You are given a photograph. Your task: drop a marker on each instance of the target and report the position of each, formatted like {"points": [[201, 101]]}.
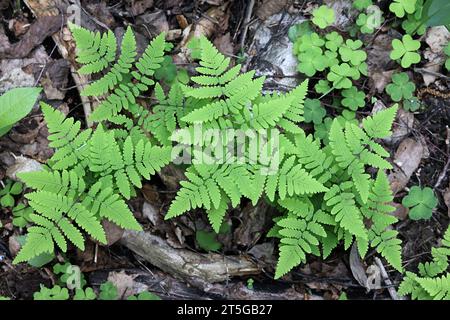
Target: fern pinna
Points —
{"points": [[433, 280]]}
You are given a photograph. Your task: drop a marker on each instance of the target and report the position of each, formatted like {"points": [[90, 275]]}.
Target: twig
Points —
{"points": [[436, 74], [447, 164], [248, 16], [387, 281]]}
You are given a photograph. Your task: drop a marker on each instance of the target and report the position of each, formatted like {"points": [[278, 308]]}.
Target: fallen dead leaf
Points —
{"points": [[407, 158], [270, 7], [113, 232]]}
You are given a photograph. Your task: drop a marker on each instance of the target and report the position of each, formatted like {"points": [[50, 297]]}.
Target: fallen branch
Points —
{"points": [[199, 270], [167, 287]]}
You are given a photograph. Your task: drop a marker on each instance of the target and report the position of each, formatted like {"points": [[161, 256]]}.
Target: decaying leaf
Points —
{"points": [[407, 158]]}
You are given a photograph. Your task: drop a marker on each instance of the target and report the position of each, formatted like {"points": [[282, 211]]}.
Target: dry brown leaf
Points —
{"points": [[270, 7], [406, 161], [113, 232]]}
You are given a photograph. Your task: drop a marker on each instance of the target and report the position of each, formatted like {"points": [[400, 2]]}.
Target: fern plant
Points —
{"points": [[93, 172], [325, 192], [432, 282]]}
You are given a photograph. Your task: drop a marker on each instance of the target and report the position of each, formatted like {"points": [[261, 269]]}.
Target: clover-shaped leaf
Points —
{"points": [[412, 104], [401, 87], [353, 99], [406, 50], [6, 194], [308, 41], [332, 57], [362, 4], [323, 17], [340, 75], [400, 7], [333, 41], [313, 111], [108, 291], [321, 129], [86, 294], [421, 203], [350, 53], [413, 25], [55, 293], [312, 61], [323, 86], [369, 22], [21, 214]]}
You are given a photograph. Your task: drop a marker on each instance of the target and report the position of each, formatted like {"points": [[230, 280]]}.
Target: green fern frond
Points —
{"points": [[70, 143]]}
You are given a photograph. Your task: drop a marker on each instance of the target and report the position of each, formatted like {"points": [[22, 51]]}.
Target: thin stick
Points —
{"points": [[387, 281], [248, 16], [447, 164]]}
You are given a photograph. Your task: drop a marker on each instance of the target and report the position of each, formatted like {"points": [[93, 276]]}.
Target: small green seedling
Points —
{"points": [[353, 98], [250, 283], [420, 202], [400, 7], [313, 111], [207, 240], [323, 17], [85, 294], [405, 50], [144, 296], [108, 291], [413, 104], [6, 194], [401, 87]]}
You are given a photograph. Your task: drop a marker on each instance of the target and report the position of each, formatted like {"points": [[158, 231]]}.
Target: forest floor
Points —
{"points": [[254, 33]]}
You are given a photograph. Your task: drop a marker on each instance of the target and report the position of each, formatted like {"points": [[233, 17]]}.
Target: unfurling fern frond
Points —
{"points": [[127, 78]]}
